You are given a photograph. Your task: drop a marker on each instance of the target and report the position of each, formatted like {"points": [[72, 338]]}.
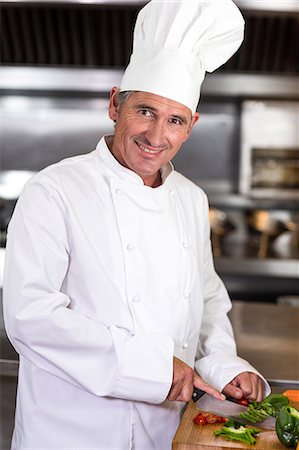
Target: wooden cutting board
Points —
{"points": [[190, 436]]}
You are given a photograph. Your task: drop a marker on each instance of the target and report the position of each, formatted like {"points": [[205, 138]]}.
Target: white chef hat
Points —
{"points": [[176, 42]]}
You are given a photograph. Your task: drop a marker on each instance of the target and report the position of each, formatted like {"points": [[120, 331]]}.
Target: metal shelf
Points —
{"points": [[95, 81], [283, 268], [241, 202]]}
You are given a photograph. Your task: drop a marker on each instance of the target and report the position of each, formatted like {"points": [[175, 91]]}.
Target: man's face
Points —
{"points": [[149, 131]]}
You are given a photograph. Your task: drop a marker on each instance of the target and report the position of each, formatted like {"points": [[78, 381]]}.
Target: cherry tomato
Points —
{"points": [[204, 418], [243, 401], [222, 419], [200, 419], [211, 418]]}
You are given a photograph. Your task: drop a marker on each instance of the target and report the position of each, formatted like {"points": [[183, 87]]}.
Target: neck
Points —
{"points": [[154, 181]]}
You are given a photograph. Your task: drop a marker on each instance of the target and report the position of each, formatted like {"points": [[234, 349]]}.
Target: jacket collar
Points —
{"points": [[123, 172]]}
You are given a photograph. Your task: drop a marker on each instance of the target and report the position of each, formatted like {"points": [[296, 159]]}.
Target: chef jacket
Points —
{"points": [[107, 279]]}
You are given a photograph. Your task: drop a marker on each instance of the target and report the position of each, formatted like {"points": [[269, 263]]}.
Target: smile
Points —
{"points": [[147, 150]]}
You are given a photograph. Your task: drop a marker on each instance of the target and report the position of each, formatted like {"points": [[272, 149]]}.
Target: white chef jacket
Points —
{"points": [[105, 280]]}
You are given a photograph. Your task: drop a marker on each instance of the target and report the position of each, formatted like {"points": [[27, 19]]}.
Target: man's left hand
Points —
{"points": [[245, 385]]}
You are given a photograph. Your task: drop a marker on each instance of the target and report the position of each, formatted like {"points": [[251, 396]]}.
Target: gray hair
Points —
{"points": [[122, 97]]}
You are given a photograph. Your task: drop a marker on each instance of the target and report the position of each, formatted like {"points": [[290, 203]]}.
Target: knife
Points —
{"points": [[228, 408]]}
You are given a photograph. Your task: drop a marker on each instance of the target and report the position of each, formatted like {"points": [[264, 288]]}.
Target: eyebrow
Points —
{"points": [[152, 108]]}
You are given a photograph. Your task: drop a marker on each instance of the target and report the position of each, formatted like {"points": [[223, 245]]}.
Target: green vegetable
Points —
{"points": [[287, 426], [270, 406], [233, 431]]}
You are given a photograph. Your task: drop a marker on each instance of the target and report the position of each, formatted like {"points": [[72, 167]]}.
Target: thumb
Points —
{"points": [[233, 391], [199, 383]]}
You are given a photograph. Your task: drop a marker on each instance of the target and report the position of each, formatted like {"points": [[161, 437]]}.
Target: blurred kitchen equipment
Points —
{"points": [[275, 168], [12, 183], [267, 227], [270, 149], [221, 226], [293, 226], [289, 300]]}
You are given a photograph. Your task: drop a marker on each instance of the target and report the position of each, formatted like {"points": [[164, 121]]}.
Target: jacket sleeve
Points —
{"points": [[43, 327], [216, 360]]}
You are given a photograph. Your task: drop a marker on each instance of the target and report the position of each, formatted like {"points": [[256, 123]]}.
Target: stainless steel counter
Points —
{"points": [[267, 335]]}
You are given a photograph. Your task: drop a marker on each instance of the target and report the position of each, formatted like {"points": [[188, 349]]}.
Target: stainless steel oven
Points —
{"points": [[270, 149], [275, 169]]}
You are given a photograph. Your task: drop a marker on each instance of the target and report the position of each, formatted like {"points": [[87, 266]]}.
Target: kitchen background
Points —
{"points": [[59, 61]]}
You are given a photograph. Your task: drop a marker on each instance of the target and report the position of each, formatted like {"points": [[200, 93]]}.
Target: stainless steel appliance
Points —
{"points": [[270, 149], [275, 168]]}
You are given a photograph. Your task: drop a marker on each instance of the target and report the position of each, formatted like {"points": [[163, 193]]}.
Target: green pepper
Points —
{"points": [[277, 401], [258, 411], [233, 431], [287, 426]]}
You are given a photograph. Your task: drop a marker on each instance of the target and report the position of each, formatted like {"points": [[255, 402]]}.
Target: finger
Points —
{"points": [[174, 392], [181, 392], [186, 393], [247, 384], [233, 391], [182, 380], [250, 385], [261, 390], [201, 384], [249, 388]]}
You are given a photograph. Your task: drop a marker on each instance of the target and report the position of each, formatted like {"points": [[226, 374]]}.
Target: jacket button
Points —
{"points": [[185, 244], [186, 295], [136, 299], [130, 247], [185, 345], [118, 191]]}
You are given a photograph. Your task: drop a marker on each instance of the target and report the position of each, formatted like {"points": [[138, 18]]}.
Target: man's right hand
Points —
{"points": [[183, 382]]}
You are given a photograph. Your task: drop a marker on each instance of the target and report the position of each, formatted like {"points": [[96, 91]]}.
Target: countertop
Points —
{"points": [[267, 336]]}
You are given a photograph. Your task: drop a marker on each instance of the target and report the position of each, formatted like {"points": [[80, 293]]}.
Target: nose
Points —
{"points": [[156, 133]]}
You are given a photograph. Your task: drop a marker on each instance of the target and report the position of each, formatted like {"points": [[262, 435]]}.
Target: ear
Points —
{"points": [[194, 119], [113, 114]]}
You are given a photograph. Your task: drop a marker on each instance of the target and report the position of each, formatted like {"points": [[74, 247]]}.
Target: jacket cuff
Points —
{"points": [[145, 367], [219, 370]]}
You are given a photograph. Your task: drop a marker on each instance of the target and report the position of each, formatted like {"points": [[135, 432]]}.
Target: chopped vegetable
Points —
{"points": [[292, 394], [235, 432], [277, 401], [243, 402], [204, 418], [270, 406], [287, 426]]}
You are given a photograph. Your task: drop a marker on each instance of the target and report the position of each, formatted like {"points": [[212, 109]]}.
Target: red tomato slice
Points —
{"points": [[200, 419], [222, 419], [204, 418], [243, 401], [211, 418]]}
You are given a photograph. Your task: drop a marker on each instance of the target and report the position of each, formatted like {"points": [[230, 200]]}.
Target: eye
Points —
{"points": [[176, 121], [146, 112]]}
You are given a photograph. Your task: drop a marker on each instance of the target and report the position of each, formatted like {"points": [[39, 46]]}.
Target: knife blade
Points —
{"points": [[228, 409]]}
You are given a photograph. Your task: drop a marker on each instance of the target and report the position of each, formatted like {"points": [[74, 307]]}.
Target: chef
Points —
{"points": [[110, 294]]}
